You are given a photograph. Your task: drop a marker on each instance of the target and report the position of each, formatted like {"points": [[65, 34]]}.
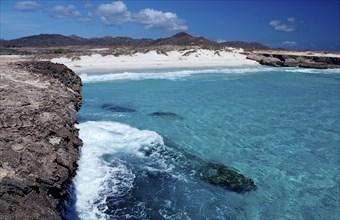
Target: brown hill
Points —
{"points": [[184, 39], [244, 45], [181, 39], [57, 40]]}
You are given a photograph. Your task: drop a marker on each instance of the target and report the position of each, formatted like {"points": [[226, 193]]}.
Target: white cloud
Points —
{"points": [[65, 12], [26, 5], [86, 19], [278, 25], [289, 43], [153, 19], [274, 22], [114, 13], [117, 13], [89, 18], [221, 41]]}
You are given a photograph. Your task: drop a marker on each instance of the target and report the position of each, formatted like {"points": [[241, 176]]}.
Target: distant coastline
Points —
{"points": [[157, 59], [181, 50]]}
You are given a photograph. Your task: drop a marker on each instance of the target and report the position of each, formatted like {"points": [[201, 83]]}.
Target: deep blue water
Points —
{"points": [[278, 126]]}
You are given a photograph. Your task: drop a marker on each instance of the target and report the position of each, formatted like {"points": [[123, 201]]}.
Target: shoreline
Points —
{"points": [[94, 70], [151, 60]]}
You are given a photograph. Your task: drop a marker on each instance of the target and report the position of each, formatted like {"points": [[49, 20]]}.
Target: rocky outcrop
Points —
{"points": [[287, 60], [216, 174], [38, 141], [227, 177]]}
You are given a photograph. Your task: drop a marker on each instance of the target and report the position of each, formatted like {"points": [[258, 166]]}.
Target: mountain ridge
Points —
{"points": [[181, 38]]}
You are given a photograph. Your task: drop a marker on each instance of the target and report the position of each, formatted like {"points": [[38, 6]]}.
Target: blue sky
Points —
{"points": [[292, 24]]}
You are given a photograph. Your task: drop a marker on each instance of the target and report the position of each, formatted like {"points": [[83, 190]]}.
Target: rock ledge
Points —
{"points": [[38, 141], [286, 60]]}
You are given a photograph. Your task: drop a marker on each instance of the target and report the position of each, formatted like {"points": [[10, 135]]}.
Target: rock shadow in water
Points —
{"points": [[166, 114], [117, 108]]}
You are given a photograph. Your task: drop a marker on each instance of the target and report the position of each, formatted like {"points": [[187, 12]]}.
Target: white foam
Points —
{"points": [[320, 71], [170, 75], [96, 178]]}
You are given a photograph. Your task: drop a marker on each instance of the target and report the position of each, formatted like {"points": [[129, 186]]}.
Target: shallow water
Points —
{"points": [[278, 126]]}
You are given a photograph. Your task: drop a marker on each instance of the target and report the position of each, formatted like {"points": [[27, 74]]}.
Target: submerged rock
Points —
{"points": [[231, 179], [213, 173], [165, 114], [117, 108]]}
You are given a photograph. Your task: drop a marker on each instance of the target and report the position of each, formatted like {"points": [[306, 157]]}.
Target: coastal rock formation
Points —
{"points": [[38, 141], [290, 60], [229, 178], [217, 174]]}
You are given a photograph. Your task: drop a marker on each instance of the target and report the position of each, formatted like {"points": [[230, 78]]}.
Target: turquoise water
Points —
{"points": [[278, 126]]}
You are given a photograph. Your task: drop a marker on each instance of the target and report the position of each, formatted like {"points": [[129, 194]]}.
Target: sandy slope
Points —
{"points": [[152, 60]]}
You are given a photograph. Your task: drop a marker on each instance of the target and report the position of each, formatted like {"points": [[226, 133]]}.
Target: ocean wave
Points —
{"points": [[173, 75], [170, 75], [97, 178], [317, 71]]}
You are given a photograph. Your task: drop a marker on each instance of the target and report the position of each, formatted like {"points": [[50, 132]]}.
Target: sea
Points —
{"points": [[145, 132]]}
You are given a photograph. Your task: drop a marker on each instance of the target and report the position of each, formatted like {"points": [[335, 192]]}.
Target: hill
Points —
{"points": [[180, 39], [244, 45], [184, 39], [57, 40]]}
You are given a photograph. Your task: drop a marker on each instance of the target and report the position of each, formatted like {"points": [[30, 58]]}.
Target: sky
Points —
{"points": [[291, 24]]}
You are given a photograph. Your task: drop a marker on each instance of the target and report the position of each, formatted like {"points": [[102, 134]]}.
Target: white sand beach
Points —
{"points": [[199, 58]]}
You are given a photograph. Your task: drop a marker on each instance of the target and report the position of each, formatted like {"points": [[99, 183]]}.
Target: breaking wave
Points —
{"points": [[170, 75]]}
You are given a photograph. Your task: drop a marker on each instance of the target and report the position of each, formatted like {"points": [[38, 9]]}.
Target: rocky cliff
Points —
{"points": [[290, 60], [38, 141]]}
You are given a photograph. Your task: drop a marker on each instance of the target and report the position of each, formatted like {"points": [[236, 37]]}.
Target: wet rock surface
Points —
{"points": [[38, 141], [213, 173], [282, 60], [227, 177]]}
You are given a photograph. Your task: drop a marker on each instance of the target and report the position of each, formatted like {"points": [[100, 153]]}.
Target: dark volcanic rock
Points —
{"points": [[57, 71], [284, 60], [117, 108], [38, 141], [214, 173], [227, 177]]}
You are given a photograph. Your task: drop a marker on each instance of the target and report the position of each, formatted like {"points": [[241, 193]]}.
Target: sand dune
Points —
{"points": [[191, 58]]}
